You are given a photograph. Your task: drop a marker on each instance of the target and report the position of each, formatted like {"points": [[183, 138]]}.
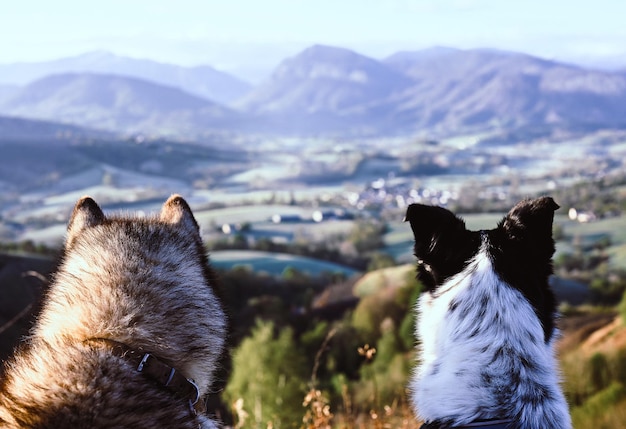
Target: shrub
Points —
{"points": [[268, 376]]}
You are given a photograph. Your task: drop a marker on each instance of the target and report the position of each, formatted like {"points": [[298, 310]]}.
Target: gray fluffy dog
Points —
{"points": [[130, 330]]}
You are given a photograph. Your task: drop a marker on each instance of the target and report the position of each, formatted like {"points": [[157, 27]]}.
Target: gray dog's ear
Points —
{"points": [[86, 214], [177, 211]]}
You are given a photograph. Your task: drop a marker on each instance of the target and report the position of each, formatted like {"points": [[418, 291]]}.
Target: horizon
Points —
{"points": [[243, 37]]}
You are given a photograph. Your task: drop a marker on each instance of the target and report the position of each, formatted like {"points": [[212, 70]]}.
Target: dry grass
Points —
{"points": [[319, 415]]}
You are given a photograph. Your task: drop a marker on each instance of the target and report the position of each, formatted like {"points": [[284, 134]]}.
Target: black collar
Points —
{"points": [[156, 370], [480, 424]]}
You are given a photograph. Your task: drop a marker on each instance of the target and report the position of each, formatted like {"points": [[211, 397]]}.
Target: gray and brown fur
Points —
{"points": [[143, 282]]}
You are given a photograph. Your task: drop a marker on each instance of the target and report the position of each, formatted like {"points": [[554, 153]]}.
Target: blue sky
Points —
{"points": [[240, 33]]}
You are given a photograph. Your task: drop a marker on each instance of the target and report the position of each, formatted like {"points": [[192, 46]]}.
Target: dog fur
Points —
{"points": [[485, 324], [143, 282]]}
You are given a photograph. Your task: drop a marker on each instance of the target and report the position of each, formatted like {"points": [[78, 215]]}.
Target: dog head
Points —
{"points": [[520, 249], [138, 276]]}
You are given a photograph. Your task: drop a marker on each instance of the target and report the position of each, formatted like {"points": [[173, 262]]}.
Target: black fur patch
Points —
{"points": [[443, 245]]}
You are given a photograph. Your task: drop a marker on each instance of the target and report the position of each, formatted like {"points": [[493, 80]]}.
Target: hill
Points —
{"points": [[117, 103], [203, 81], [592, 353], [325, 87], [20, 290]]}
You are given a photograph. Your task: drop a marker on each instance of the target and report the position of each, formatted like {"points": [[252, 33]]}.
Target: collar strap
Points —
{"points": [[156, 370], [480, 424]]}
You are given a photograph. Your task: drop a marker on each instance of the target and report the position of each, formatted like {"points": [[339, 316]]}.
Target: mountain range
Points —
{"points": [[326, 90], [202, 81]]}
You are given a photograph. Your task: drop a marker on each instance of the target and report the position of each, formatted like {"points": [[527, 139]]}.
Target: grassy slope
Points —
{"points": [[597, 393]]}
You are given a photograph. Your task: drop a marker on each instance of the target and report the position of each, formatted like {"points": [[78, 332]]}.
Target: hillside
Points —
{"points": [[592, 353], [203, 81], [12, 128], [20, 290], [116, 103], [51, 174]]}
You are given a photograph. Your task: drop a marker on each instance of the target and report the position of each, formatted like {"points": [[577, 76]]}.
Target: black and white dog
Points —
{"points": [[486, 321]]}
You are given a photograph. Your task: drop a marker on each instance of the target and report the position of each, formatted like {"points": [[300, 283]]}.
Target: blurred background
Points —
{"points": [[299, 131]]}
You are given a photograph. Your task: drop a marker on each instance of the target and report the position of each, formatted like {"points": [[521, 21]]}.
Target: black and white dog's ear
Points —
{"points": [[529, 224], [442, 244], [530, 219], [428, 222]]}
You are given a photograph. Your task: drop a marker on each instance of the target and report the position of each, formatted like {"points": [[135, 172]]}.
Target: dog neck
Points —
{"points": [[155, 370]]}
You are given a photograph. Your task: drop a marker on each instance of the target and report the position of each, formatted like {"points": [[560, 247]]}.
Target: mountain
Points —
{"points": [[7, 91], [460, 90], [324, 88], [479, 89], [438, 90], [117, 103], [202, 81], [406, 59]]}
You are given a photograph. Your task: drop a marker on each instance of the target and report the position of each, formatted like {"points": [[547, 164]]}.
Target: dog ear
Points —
{"points": [[428, 222], [530, 219], [177, 211], [442, 245], [86, 214]]}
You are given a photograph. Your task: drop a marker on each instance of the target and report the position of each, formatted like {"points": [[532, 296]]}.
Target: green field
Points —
{"points": [[613, 228], [275, 263]]}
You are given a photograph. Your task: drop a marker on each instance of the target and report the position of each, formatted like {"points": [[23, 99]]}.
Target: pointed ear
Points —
{"points": [[177, 211], [428, 222], [86, 214], [530, 220]]}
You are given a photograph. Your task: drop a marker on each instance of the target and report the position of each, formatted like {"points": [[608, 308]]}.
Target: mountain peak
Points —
{"points": [[327, 52], [423, 54], [323, 61]]}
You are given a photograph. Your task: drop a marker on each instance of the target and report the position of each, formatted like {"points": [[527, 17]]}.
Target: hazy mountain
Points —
{"points": [[117, 103], [457, 90], [203, 81], [27, 129], [329, 90], [324, 87], [7, 91], [407, 59], [599, 62], [441, 90]]}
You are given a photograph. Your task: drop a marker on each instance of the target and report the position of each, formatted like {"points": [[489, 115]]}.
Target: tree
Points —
{"points": [[269, 376]]}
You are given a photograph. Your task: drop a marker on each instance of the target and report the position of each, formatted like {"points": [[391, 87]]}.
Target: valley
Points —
{"points": [[300, 184], [41, 178]]}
